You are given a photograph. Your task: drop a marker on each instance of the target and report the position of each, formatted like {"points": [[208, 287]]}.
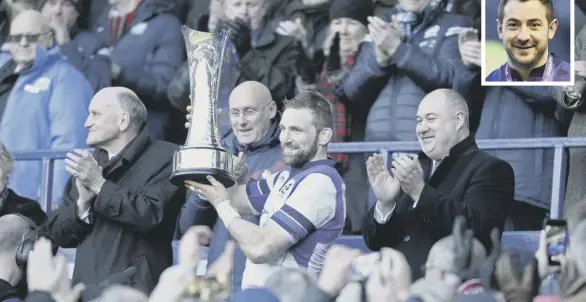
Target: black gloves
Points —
{"points": [[333, 62], [308, 69], [240, 34]]}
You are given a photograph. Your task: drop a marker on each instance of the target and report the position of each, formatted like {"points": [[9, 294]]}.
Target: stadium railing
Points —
{"points": [[524, 240]]}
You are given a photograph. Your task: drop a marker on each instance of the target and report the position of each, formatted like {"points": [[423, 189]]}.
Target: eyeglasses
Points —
{"points": [[248, 112], [30, 38]]}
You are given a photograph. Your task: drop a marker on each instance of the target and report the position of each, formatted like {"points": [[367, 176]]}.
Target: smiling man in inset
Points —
{"points": [[525, 27]]}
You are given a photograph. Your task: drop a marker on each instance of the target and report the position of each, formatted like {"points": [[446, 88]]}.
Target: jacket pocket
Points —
{"points": [[143, 279]]}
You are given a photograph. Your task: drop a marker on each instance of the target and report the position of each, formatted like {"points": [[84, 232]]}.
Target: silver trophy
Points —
{"points": [[203, 153]]}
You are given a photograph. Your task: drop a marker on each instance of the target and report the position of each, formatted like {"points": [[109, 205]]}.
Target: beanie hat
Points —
{"points": [[78, 4], [358, 10]]}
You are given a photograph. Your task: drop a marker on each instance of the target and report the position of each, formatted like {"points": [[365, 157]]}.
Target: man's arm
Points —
{"points": [[142, 208], [366, 79], [64, 226], [489, 194], [306, 210], [278, 75], [382, 228], [433, 71]]}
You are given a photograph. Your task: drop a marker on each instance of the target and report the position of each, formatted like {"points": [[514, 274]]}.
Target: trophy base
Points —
{"points": [[178, 178], [195, 163]]}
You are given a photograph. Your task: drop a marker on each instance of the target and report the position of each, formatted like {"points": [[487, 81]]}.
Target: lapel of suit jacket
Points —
{"points": [[446, 165]]}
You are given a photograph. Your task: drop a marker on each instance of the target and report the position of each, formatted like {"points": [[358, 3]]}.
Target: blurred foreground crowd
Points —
{"points": [[113, 74]]}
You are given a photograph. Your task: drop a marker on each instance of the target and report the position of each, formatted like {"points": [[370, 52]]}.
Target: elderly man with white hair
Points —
{"points": [[119, 208]]}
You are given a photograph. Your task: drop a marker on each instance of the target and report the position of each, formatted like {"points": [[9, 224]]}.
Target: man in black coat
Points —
{"points": [[417, 205], [120, 208]]}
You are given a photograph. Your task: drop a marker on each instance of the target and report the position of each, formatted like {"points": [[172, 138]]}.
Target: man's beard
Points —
{"points": [[302, 158]]}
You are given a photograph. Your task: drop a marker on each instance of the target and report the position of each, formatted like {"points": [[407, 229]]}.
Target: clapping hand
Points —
{"points": [[407, 170], [463, 239], [391, 280], [294, 29], [82, 165], [336, 270], [515, 289], [470, 47], [49, 274], [240, 34], [385, 187], [386, 38]]}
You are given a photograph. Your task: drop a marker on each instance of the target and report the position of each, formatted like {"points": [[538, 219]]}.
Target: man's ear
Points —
{"points": [[124, 121], [499, 28], [553, 27], [325, 136]]}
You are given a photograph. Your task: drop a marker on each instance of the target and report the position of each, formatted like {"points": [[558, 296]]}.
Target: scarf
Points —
{"points": [[408, 21]]}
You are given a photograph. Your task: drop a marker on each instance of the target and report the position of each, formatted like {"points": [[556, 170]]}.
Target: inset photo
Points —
{"points": [[527, 42]]}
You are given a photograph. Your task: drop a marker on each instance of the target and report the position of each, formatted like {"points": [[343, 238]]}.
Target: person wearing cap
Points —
{"points": [[66, 18], [345, 34], [43, 102]]}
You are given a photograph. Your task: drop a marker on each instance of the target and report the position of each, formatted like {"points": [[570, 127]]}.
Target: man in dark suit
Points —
{"points": [[417, 205]]}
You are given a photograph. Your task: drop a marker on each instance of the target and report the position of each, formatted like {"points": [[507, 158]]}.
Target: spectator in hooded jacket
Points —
{"points": [[144, 44], [254, 53], [43, 102], [255, 132], [64, 18]]}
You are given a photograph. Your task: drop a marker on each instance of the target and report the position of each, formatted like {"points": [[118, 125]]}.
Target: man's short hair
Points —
{"points": [[6, 164], [289, 284], [550, 15], [131, 103], [456, 101], [13, 229], [319, 106]]}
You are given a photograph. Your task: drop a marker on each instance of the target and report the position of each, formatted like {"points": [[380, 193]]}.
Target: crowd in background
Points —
{"points": [[57, 54]]}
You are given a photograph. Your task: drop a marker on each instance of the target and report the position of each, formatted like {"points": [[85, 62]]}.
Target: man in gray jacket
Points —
{"points": [[255, 132]]}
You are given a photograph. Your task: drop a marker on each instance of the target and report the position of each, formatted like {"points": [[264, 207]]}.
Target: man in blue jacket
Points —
{"points": [[255, 132], [525, 27], [43, 102]]}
